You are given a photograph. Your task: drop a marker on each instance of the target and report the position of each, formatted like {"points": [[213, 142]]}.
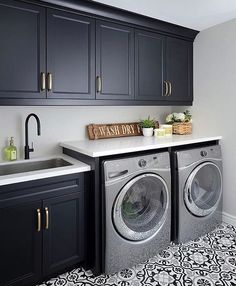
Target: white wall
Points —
{"points": [[65, 123], [197, 15], [214, 109]]}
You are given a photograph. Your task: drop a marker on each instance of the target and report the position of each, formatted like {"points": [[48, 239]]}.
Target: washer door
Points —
{"points": [[141, 207], [203, 189]]}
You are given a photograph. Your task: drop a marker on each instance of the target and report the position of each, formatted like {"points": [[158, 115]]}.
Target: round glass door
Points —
{"points": [[203, 189], [141, 206]]}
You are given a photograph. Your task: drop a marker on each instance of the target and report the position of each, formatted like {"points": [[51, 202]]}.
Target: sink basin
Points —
{"points": [[28, 166]]}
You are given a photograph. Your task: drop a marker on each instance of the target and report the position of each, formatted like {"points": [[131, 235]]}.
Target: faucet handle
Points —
{"points": [[32, 147]]}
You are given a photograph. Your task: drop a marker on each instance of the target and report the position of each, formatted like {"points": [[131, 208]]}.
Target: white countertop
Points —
{"points": [[105, 147], [76, 167]]}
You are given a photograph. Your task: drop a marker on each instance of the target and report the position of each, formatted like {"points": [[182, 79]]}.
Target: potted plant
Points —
{"points": [[147, 126]]}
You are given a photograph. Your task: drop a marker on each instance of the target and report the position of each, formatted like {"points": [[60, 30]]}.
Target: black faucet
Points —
{"points": [[27, 148]]}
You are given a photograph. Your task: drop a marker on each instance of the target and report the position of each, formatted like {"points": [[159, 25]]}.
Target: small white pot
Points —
{"points": [[147, 132]]}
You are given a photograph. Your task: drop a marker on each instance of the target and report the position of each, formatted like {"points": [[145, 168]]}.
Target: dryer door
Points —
{"points": [[140, 208], [203, 189]]}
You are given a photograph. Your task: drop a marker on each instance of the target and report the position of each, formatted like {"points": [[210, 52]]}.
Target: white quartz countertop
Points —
{"points": [[106, 147], [76, 167]]}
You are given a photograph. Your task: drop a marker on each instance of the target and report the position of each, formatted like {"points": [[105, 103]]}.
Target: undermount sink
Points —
{"points": [[29, 166]]}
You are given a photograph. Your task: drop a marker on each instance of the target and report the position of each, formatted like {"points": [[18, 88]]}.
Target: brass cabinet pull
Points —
{"points": [[49, 81], [99, 84], [43, 81], [166, 88], [170, 88], [39, 220], [47, 218]]}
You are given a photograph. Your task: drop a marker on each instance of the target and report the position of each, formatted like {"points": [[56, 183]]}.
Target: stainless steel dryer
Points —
{"points": [[138, 209], [197, 192]]}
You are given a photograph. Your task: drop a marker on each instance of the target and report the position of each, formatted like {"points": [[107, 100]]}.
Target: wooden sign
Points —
{"points": [[101, 131]]}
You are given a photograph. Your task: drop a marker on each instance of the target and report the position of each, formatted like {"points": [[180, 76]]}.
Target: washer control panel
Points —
{"points": [[117, 169], [159, 160]]}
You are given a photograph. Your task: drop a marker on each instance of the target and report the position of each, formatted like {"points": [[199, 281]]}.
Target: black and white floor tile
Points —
{"points": [[207, 261]]}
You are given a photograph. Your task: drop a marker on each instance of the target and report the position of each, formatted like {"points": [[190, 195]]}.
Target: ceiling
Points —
{"points": [[195, 14]]}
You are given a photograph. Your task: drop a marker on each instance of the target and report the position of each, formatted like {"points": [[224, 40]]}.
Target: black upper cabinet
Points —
{"points": [[179, 69], [22, 46], [114, 61], [149, 65], [64, 234], [163, 68], [70, 56], [59, 57], [20, 244]]}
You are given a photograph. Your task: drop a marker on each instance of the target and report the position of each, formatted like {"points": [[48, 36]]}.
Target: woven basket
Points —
{"points": [[182, 128]]}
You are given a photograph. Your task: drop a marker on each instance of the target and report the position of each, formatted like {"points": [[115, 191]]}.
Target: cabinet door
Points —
{"points": [[179, 69], [114, 61], [20, 244], [22, 46], [63, 232], [70, 55], [149, 65]]}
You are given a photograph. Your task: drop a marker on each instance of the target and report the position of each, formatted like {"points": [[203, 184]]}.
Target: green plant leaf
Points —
{"points": [[147, 123]]}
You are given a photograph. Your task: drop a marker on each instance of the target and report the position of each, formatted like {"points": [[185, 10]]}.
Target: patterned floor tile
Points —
{"points": [[207, 261]]}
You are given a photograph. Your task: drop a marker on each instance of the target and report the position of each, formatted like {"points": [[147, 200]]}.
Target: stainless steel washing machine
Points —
{"points": [[137, 209], [197, 192]]}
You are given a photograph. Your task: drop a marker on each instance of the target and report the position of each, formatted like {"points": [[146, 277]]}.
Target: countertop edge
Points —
{"points": [[77, 167], [158, 145]]}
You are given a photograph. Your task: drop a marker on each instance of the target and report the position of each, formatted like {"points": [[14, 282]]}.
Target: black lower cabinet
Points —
{"points": [[42, 229], [63, 232], [20, 244]]}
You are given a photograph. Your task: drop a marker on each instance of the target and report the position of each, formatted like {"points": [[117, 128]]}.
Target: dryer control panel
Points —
{"points": [[188, 157]]}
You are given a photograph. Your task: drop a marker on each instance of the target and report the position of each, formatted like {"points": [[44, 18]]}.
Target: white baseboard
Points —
{"points": [[229, 218]]}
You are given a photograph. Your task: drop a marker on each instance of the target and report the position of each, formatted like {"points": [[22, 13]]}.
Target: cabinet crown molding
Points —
{"points": [[92, 8]]}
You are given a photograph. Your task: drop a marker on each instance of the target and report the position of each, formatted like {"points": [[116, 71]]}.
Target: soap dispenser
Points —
{"points": [[11, 151]]}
